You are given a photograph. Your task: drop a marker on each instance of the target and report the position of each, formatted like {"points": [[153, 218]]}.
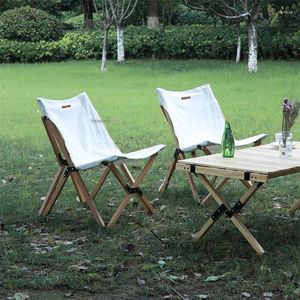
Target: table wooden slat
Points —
{"points": [[263, 160]]}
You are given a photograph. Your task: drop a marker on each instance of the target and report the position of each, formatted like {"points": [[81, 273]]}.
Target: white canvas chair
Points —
{"points": [[80, 141], [196, 121]]}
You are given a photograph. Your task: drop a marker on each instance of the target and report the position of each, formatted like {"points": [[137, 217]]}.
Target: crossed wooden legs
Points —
{"points": [[170, 172], [178, 155], [132, 188], [231, 213], [58, 183]]}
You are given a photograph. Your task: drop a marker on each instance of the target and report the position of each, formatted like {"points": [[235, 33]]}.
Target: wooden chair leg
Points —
{"points": [[100, 182], [127, 173], [191, 182], [146, 204], [119, 210], [131, 189], [84, 194], [82, 200], [170, 172], [295, 206], [54, 191]]}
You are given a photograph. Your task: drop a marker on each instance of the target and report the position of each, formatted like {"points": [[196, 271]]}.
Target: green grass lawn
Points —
{"points": [[67, 252]]}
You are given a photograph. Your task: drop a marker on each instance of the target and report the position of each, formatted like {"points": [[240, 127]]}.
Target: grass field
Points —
{"points": [[68, 255]]}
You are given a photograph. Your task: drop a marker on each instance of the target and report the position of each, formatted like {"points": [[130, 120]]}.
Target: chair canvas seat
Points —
{"points": [[196, 121], [86, 138], [81, 141], [197, 118]]}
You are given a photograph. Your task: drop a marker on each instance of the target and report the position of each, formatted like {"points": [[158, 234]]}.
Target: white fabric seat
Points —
{"points": [[196, 121], [80, 141], [197, 118], [85, 135]]}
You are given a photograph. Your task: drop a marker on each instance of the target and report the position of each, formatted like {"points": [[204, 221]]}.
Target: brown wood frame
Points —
{"points": [[181, 156], [67, 169], [257, 166], [234, 217]]}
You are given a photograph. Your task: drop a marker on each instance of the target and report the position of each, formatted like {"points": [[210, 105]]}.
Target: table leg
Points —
{"points": [[224, 208]]}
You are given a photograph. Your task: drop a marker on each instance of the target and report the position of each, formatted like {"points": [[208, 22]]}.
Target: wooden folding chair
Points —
{"points": [[80, 141], [196, 122]]}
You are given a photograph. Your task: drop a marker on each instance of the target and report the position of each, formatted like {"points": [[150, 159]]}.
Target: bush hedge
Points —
{"points": [[77, 22], [197, 41], [29, 24]]}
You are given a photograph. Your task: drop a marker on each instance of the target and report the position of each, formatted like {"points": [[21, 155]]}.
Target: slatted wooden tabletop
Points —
{"points": [[254, 163]]}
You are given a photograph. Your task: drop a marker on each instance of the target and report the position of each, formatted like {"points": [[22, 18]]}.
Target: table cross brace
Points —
{"points": [[231, 213]]}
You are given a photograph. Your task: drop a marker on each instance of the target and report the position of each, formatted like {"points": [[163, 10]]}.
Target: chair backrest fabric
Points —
{"points": [[84, 133], [196, 116]]}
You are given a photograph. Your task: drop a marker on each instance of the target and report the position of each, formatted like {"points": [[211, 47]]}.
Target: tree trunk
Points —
{"points": [[239, 44], [104, 48], [120, 44], [87, 6], [153, 20], [252, 45]]}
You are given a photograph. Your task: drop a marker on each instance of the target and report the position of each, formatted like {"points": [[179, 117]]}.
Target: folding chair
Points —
{"points": [[80, 141], [196, 121]]}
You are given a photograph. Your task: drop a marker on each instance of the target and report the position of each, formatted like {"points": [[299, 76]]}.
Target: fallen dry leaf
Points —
{"points": [[213, 278], [140, 281], [21, 296], [246, 294], [268, 294], [202, 296]]}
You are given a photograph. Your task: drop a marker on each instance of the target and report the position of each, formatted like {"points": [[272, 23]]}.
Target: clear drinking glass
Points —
{"points": [[286, 144]]}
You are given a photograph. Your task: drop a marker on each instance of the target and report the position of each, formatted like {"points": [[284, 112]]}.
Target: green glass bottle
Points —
{"points": [[227, 141]]}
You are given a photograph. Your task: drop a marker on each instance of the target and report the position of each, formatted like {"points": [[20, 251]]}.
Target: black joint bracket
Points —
{"points": [[69, 170], [247, 175], [134, 190], [177, 152], [219, 212], [193, 169], [237, 207], [62, 161]]}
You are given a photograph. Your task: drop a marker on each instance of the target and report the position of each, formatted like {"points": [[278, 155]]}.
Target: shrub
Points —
{"points": [[77, 22], [29, 24], [187, 16], [197, 41]]}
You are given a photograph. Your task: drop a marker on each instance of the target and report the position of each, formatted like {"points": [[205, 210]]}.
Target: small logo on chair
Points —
{"points": [[186, 98], [66, 106], [96, 121]]}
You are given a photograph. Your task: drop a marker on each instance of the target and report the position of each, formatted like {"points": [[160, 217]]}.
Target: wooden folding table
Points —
{"points": [[254, 166]]}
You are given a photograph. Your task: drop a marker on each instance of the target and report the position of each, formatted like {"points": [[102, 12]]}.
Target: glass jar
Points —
{"points": [[286, 144]]}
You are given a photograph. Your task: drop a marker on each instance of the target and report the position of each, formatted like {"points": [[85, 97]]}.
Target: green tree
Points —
{"points": [[105, 15], [121, 10], [236, 11], [87, 7], [153, 13]]}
